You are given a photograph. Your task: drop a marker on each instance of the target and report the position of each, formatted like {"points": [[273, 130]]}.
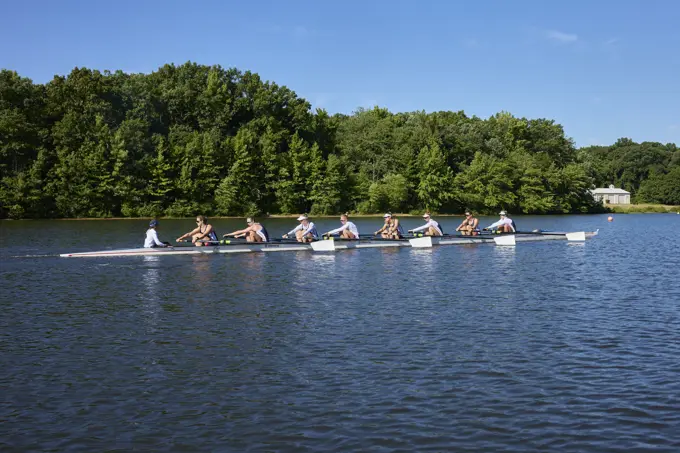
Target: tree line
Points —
{"points": [[649, 171], [194, 139]]}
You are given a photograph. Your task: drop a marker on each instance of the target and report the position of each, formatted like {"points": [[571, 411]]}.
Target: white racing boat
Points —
{"points": [[330, 245]]}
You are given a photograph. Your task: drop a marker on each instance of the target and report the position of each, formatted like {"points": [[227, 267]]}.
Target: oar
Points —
{"points": [[201, 241], [542, 233], [240, 241], [365, 238]]}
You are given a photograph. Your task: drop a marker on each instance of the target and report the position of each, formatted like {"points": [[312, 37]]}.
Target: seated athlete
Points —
{"points": [[305, 232], [504, 225], [151, 240], [392, 229], [348, 230], [469, 226], [203, 234], [255, 232], [431, 228]]}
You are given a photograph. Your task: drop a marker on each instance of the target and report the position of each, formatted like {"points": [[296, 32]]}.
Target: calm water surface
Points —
{"points": [[543, 347]]}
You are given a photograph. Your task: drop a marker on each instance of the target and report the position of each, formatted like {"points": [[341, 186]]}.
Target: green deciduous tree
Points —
{"points": [[190, 138], [435, 178]]}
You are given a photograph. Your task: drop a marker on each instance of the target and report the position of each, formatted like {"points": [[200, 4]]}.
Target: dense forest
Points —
{"points": [[195, 139]]}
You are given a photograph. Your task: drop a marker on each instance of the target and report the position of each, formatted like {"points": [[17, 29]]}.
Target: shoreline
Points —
{"points": [[615, 209], [643, 208]]}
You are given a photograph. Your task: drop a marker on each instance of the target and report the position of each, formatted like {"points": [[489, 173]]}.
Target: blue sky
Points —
{"points": [[603, 69]]}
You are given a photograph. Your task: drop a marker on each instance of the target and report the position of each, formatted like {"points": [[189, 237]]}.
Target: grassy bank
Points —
{"points": [[642, 208]]}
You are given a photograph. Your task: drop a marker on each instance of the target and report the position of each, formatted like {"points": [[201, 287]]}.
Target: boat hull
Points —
{"points": [[337, 245]]}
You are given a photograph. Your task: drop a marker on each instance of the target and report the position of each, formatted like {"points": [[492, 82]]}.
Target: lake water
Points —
{"points": [[547, 346]]}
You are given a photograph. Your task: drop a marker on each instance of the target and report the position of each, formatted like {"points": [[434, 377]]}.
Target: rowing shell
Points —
{"points": [[331, 245]]}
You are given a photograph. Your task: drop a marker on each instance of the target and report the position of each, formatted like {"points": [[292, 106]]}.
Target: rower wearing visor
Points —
{"points": [[348, 230], [255, 232], [305, 232], [469, 226], [203, 234], [504, 225], [392, 229], [431, 228]]}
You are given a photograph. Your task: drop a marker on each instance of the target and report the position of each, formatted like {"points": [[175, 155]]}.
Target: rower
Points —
{"points": [[431, 228], [255, 232], [469, 226], [203, 234], [348, 230], [151, 239], [305, 232], [392, 229], [504, 225]]}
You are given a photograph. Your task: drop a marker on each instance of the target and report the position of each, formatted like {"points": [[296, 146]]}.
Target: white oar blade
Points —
{"points": [[505, 240], [323, 246], [580, 236], [425, 241]]}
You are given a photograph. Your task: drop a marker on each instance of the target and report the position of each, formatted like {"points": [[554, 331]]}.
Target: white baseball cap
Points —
{"points": [[426, 215], [387, 215], [502, 213], [302, 217]]}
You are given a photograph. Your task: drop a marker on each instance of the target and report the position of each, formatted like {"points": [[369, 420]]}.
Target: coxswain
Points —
{"points": [[255, 232], [203, 234], [392, 229], [504, 225], [431, 228], [469, 226], [348, 230], [151, 239], [305, 232]]}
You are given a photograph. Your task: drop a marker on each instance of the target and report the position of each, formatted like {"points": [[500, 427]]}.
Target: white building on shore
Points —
{"points": [[611, 195]]}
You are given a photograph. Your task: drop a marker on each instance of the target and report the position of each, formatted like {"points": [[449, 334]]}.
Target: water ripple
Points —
{"points": [[542, 347]]}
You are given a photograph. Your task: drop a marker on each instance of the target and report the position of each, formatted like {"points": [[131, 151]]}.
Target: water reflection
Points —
{"points": [[324, 261], [424, 259], [390, 261], [150, 301], [505, 271], [151, 308], [201, 265]]}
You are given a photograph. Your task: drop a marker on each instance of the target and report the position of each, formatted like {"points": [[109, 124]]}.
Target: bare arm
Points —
{"points": [[237, 232], [208, 229], [385, 227], [194, 231]]}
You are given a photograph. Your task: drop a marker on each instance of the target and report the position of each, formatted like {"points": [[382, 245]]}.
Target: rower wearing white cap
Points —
{"points": [[431, 228], [348, 230], [391, 229], [504, 225], [255, 232], [305, 232]]}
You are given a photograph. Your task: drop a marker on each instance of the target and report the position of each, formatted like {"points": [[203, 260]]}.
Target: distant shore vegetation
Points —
{"points": [[195, 139]]}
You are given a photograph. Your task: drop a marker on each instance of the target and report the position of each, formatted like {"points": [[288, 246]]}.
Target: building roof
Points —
{"points": [[611, 190]]}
